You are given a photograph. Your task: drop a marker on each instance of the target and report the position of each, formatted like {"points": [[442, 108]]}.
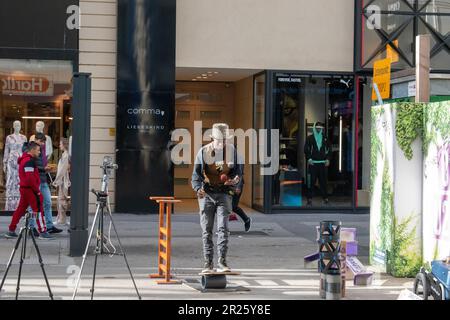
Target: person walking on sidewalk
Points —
{"points": [[237, 197], [30, 195], [42, 165], [215, 171]]}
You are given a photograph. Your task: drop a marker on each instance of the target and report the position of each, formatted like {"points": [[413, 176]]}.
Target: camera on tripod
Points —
{"points": [[108, 164]]}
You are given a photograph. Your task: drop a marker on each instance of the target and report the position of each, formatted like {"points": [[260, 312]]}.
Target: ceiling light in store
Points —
{"points": [[204, 74], [210, 72], [41, 118], [215, 72], [199, 77]]}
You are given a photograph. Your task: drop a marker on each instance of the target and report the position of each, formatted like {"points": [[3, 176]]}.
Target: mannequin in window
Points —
{"points": [[48, 141], [13, 150], [317, 153], [62, 182]]}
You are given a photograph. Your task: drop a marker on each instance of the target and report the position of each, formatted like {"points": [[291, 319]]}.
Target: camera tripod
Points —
{"points": [[102, 210], [23, 235]]}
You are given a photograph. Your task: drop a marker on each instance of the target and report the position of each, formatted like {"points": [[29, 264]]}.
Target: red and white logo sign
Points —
{"points": [[26, 85]]}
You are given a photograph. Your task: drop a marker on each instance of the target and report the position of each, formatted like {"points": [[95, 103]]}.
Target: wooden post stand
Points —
{"points": [[164, 240]]}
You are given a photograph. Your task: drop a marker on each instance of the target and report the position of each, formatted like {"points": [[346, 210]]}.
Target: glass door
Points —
{"points": [[315, 117], [258, 123]]}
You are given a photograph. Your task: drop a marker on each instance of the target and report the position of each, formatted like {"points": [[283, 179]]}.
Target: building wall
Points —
{"points": [[97, 44], [243, 119], [266, 34]]}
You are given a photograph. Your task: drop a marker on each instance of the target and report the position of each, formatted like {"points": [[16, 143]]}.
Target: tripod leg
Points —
{"points": [[93, 276], [124, 255], [42, 265], [22, 257], [85, 254], [99, 241], [11, 258]]}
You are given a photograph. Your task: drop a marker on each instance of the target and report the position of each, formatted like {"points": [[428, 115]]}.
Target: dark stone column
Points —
{"points": [[145, 102]]}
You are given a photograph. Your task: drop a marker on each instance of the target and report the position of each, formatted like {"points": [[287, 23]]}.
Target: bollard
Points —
{"points": [[333, 287], [322, 285], [329, 260]]}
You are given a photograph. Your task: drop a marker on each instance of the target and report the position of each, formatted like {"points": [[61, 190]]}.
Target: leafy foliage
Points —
{"points": [[409, 125], [387, 211], [375, 147], [403, 259], [437, 119]]}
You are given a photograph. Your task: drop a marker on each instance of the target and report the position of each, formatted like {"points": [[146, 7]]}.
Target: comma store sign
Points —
{"points": [[135, 115]]}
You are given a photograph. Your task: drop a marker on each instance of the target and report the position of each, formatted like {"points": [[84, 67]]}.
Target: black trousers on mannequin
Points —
{"points": [[318, 171], [237, 209]]}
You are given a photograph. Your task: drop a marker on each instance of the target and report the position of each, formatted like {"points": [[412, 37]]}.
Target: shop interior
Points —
{"points": [[35, 96], [299, 103]]}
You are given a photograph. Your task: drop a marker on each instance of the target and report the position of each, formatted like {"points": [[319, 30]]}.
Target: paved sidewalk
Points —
{"points": [[270, 258]]}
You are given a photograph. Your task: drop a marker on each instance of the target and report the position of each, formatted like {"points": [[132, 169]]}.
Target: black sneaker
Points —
{"points": [[35, 233], [222, 266], [309, 202], [11, 235], [54, 230], [208, 267], [46, 236], [247, 224], [325, 201]]}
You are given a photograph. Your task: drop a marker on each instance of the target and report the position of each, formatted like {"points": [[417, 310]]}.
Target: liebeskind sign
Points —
{"points": [[26, 85]]}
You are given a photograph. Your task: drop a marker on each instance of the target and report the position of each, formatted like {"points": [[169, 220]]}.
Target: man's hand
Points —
{"points": [[201, 193], [47, 168], [238, 191], [310, 162], [327, 163], [232, 182]]}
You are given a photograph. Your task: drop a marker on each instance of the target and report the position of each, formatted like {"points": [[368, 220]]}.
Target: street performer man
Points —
{"points": [[30, 194], [215, 174]]}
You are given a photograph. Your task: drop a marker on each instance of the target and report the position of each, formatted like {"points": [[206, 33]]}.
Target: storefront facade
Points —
{"points": [[37, 62], [267, 65]]}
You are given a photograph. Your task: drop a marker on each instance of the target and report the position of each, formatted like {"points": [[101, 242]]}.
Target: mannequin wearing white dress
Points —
{"points": [[48, 141], [13, 150]]}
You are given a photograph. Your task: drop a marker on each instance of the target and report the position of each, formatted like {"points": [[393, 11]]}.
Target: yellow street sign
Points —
{"points": [[391, 53], [382, 77]]}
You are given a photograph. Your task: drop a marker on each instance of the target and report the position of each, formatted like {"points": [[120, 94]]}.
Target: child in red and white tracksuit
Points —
{"points": [[30, 195]]}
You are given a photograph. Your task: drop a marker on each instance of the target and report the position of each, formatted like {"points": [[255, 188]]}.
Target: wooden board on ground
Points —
{"points": [[216, 273]]}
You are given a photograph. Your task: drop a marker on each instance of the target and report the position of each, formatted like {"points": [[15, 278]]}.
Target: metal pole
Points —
{"points": [[423, 68], [80, 156]]}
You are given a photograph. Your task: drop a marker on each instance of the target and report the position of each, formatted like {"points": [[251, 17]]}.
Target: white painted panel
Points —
{"points": [[98, 21], [103, 96], [101, 135], [98, 58], [88, 7], [98, 46], [103, 109], [99, 71], [103, 84], [103, 122], [265, 34], [102, 146], [87, 33]]}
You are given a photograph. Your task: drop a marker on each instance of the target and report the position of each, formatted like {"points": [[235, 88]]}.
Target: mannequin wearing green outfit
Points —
{"points": [[317, 153]]}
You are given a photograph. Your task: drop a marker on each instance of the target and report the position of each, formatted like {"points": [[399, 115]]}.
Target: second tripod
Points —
{"points": [[23, 235], [102, 210]]}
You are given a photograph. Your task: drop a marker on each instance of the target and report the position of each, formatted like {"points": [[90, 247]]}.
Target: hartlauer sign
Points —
{"points": [[26, 85]]}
